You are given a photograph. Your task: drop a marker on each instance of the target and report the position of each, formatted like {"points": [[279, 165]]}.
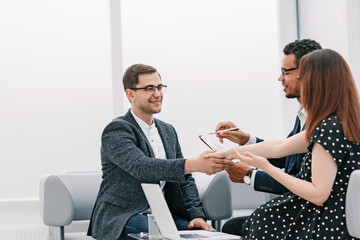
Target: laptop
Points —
{"points": [[165, 222]]}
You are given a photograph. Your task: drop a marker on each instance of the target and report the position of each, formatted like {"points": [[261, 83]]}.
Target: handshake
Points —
{"points": [[218, 159]]}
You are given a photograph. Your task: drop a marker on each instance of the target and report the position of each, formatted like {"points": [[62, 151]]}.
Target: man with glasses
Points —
{"points": [[258, 179], [138, 148]]}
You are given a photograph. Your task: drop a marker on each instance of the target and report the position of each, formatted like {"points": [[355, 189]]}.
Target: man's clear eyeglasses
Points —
{"points": [[284, 70], [151, 89]]}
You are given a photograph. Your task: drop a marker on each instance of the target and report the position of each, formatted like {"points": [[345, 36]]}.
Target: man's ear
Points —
{"points": [[130, 95]]}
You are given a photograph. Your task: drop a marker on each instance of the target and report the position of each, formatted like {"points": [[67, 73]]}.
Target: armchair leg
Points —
{"points": [[216, 224], [56, 233]]}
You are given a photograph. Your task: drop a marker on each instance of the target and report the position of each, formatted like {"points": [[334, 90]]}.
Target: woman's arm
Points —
{"points": [[323, 172], [269, 149]]}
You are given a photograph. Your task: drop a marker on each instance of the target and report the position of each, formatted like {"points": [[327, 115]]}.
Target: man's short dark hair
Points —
{"points": [[300, 48], [131, 75]]}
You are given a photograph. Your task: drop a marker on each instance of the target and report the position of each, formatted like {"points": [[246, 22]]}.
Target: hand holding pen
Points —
{"points": [[231, 132], [224, 130]]}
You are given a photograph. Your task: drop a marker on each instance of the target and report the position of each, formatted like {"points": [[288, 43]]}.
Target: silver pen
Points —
{"points": [[224, 130]]}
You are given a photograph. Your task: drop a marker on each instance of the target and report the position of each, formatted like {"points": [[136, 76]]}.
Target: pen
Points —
{"points": [[229, 129]]}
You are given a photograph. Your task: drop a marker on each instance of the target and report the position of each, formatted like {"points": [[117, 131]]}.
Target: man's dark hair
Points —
{"points": [[131, 75], [300, 48]]}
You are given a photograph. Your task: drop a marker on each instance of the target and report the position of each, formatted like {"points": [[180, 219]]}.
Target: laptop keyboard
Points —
{"points": [[192, 236]]}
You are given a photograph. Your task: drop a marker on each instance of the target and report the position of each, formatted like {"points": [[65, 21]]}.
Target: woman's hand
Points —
{"points": [[252, 159]]}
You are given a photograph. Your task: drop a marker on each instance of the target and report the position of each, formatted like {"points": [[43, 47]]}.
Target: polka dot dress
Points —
{"points": [[291, 217]]}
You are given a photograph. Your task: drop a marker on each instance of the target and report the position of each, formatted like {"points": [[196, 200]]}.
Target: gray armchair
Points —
{"points": [[352, 205], [67, 200], [215, 195]]}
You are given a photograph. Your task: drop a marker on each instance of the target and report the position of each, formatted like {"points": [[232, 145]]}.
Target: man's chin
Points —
{"points": [[154, 111], [291, 96]]}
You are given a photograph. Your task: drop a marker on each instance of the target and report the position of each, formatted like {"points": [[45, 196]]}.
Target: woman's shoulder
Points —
{"points": [[329, 124]]}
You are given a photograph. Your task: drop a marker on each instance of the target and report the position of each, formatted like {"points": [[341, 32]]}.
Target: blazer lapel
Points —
{"points": [[129, 117]]}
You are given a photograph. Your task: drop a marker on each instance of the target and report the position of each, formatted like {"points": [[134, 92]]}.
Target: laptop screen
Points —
{"points": [[160, 210], [166, 223]]}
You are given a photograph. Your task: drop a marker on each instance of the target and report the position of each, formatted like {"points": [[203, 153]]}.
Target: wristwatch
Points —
{"points": [[247, 176]]}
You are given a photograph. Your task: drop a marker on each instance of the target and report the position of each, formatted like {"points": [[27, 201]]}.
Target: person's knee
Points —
{"points": [[136, 224], [226, 227], [229, 228], [234, 225]]}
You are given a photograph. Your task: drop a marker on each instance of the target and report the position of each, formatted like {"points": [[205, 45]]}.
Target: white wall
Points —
{"points": [[335, 24], [61, 65], [56, 89], [220, 60], [288, 32]]}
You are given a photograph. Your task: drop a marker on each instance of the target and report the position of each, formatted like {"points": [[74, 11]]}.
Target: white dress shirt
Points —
{"points": [[301, 113], [152, 134]]}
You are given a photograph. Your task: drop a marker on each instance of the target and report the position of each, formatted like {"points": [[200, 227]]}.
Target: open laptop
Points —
{"points": [[165, 222]]}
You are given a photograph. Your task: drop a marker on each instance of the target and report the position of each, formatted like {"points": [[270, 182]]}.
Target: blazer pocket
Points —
{"points": [[117, 200]]}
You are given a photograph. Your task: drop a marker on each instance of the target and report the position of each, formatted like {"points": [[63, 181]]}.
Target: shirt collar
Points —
{"points": [[143, 125], [302, 114]]}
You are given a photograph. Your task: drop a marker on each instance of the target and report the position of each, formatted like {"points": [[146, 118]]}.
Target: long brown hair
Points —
{"points": [[328, 87]]}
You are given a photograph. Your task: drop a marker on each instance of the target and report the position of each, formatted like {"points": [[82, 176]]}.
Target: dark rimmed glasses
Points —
{"points": [[285, 70], [151, 89]]}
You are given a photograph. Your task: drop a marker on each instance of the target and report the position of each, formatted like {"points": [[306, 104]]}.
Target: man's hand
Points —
{"points": [[238, 136], [200, 223], [237, 172], [206, 164]]}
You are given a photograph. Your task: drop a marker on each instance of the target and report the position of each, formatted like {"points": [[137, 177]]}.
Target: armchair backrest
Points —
{"points": [[352, 206], [215, 195], [67, 197], [216, 199]]}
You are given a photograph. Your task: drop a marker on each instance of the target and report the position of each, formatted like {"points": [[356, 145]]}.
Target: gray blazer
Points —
{"points": [[127, 161]]}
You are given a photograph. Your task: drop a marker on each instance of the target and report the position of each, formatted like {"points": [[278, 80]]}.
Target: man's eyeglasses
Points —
{"points": [[151, 89], [284, 70]]}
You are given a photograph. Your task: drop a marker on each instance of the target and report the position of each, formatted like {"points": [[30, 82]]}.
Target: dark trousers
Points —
{"points": [[139, 223], [234, 225]]}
